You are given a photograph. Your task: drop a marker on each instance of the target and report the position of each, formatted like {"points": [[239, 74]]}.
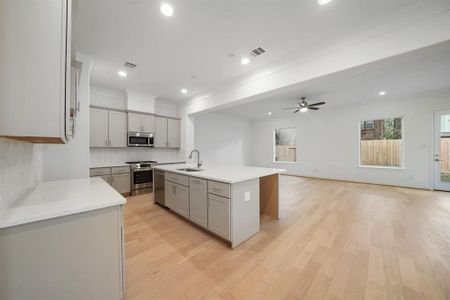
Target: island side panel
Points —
{"points": [[244, 211], [269, 195]]}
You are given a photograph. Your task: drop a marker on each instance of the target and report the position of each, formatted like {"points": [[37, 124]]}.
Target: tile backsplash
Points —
{"points": [[20, 169], [111, 156]]}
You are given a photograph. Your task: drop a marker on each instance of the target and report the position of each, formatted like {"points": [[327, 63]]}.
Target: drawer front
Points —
{"points": [[197, 181], [219, 188], [119, 170], [100, 171], [177, 178]]}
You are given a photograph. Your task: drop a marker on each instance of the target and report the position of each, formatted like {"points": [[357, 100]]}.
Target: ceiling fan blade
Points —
{"points": [[296, 111], [313, 108], [317, 104], [290, 108]]}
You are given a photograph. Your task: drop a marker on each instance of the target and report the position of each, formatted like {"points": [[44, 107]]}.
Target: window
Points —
{"points": [[381, 143], [285, 145]]}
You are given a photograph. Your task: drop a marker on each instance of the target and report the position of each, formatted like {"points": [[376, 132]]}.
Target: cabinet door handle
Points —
{"points": [[106, 143]]}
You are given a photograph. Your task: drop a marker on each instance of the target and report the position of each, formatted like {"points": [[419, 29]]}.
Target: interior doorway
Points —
{"points": [[441, 155]]}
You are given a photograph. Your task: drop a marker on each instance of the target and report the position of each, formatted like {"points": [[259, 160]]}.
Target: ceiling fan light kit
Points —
{"points": [[303, 106]]}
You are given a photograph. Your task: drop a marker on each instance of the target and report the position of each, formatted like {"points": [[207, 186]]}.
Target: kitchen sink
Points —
{"points": [[190, 170]]}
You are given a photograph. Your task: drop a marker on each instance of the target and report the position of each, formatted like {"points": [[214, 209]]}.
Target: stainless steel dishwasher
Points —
{"points": [[158, 187]]}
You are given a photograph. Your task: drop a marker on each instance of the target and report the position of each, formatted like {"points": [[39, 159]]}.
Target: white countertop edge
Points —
{"points": [[45, 217], [257, 172], [112, 165]]}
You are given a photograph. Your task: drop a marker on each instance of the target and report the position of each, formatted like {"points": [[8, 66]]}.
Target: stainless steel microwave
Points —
{"points": [[140, 139]]}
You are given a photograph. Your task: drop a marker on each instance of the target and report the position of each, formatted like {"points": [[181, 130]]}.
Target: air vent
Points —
{"points": [[257, 52], [129, 65]]}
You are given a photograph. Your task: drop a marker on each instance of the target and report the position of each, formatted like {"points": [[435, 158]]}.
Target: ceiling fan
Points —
{"points": [[303, 106]]}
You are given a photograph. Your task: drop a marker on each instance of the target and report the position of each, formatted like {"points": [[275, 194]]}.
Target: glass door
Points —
{"points": [[441, 153]]}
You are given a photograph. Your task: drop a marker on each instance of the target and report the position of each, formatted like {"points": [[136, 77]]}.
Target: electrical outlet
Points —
{"points": [[247, 196]]}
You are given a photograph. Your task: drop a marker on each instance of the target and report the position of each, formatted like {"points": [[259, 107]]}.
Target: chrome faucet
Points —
{"points": [[199, 162]]}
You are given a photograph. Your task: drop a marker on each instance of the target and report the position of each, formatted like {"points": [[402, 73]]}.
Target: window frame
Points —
{"points": [[402, 158], [274, 151]]}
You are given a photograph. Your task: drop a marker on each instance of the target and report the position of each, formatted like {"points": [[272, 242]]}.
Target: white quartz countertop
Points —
{"points": [[60, 198], [122, 164], [107, 165], [228, 174]]}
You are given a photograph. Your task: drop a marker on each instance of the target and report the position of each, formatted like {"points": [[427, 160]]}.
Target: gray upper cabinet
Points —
{"points": [[35, 37], [141, 123], [160, 139], [117, 129], [134, 122], [173, 133], [148, 123], [167, 133], [198, 195], [107, 128], [98, 119]]}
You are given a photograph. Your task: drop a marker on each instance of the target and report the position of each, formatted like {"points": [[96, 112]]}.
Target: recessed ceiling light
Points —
{"points": [[304, 109], [166, 9], [122, 73], [323, 2], [382, 93], [184, 91], [245, 61], [269, 113]]}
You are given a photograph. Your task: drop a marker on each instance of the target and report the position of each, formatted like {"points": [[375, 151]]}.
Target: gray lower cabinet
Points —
{"points": [[177, 198], [106, 178], [169, 195], [230, 211], [182, 200], [121, 183], [118, 177], [198, 206], [219, 215]]}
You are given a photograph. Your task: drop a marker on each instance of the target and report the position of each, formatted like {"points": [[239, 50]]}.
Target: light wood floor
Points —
{"points": [[335, 240]]}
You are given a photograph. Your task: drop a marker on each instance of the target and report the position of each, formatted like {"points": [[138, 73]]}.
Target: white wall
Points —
{"points": [[118, 99], [222, 138], [116, 156], [71, 160], [20, 169], [108, 97], [327, 141], [140, 102]]}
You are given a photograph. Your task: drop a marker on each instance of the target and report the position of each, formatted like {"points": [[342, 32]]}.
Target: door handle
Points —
{"points": [[437, 159]]}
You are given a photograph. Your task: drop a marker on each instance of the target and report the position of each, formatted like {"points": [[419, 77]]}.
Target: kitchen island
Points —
{"points": [[225, 200]]}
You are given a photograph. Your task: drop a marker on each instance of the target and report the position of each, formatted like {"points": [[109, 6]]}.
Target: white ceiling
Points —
{"points": [[421, 71], [195, 42]]}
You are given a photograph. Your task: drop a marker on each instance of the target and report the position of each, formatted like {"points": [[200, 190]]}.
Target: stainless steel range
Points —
{"points": [[141, 176]]}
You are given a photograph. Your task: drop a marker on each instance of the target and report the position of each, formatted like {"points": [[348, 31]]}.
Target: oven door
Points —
{"points": [[138, 141], [142, 178]]}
